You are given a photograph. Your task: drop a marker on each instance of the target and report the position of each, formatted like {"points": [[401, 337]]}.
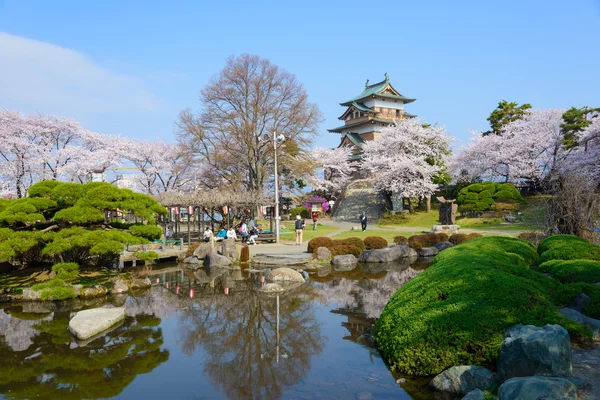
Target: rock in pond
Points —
{"points": [[537, 388], [203, 250], [214, 260], [428, 251], [345, 262], [31, 295], [271, 288], [139, 283], [528, 350], [576, 316], [281, 259], [93, 291], [191, 260], [285, 275], [476, 394], [463, 379], [323, 253], [389, 254], [441, 246], [118, 286], [88, 323]]}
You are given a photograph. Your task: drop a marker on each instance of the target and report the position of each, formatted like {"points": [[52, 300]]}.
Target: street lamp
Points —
{"points": [[276, 139]]}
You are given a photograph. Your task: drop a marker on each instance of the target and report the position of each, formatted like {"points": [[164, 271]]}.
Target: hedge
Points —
{"points": [[320, 241], [375, 242], [570, 271]]}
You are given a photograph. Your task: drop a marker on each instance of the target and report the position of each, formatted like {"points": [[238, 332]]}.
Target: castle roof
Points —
{"points": [[384, 121], [381, 89]]}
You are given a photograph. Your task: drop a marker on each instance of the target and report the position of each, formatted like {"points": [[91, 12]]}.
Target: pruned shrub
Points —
{"points": [[400, 240], [66, 271], [458, 238], [474, 235], [568, 271], [375, 242], [557, 241], [417, 242], [571, 251], [320, 241], [191, 248], [345, 249], [441, 237], [58, 293], [355, 241], [150, 232]]}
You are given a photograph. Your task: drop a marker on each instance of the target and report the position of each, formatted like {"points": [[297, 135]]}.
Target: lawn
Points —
{"points": [[384, 233], [416, 220], [289, 235]]}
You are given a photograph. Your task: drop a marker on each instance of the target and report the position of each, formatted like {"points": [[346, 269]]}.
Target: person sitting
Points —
{"points": [[253, 235], [231, 233], [208, 234], [222, 234]]}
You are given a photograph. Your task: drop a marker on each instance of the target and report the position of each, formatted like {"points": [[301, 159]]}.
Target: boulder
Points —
{"points": [[31, 295], [228, 249], [528, 350], [476, 394], [77, 289], [118, 286], [345, 262], [88, 323], [388, 254], [214, 260], [576, 316], [428, 251], [464, 379], [286, 275], [537, 388], [441, 246], [191, 260], [580, 302], [138, 283], [203, 250], [324, 270], [323, 253], [93, 291], [281, 260]]}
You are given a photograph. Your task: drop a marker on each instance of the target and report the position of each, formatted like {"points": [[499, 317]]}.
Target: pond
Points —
{"points": [[213, 335]]}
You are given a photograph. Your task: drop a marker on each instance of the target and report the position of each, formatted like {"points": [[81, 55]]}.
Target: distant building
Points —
{"points": [[378, 106]]}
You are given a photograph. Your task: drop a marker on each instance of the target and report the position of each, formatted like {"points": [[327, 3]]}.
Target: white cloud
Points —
{"points": [[45, 77]]}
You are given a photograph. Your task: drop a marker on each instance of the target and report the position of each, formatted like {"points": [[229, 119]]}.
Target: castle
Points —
{"points": [[378, 106]]}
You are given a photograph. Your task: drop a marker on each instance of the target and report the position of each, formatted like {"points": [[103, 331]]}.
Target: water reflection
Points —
{"points": [[47, 363]]}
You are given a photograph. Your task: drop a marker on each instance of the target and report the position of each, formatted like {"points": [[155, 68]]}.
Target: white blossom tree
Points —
{"points": [[407, 158], [529, 148], [336, 170]]}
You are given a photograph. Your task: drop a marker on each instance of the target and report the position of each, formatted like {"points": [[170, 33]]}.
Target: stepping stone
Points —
{"points": [[88, 323]]}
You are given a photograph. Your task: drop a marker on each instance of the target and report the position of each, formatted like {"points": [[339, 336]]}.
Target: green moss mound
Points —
{"points": [[456, 312], [483, 196], [558, 241], [568, 271], [571, 251]]}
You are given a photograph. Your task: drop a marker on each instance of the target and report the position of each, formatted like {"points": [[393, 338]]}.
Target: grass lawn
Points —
{"points": [[416, 220], [491, 224], [290, 235]]}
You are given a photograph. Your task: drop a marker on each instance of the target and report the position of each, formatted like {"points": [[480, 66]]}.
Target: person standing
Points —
{"points": [[244, 231], [314, 218], [363, 221], [299, 229]]}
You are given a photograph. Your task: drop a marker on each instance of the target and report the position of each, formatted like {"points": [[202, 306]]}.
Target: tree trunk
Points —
{"points": [[411, 209], [428, 204]]}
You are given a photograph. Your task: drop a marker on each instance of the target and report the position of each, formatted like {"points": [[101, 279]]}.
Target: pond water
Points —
{"points": [[213, 335]]}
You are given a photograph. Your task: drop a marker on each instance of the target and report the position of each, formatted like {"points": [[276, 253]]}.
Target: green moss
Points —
{"points": [[557, 241], [456, 311], [58, 293], [66, 271], [571, 251], [52, 283], [569, 271], [150, 232]]}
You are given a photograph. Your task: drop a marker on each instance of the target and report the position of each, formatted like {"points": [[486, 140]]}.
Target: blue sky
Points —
{"points": [[129, 67]]}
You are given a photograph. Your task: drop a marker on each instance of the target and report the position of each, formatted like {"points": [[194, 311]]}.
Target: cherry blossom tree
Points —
{"points": [[529, 148], [336, 170], [407, 158]]}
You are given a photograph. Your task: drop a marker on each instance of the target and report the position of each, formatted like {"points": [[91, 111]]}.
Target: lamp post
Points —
{"points": [[276, 139]]}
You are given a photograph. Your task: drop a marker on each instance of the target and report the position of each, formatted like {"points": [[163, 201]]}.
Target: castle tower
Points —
{"points": [[378, 106]]}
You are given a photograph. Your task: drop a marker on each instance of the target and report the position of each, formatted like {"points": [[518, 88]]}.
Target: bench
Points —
{"points": [[262, 237]]}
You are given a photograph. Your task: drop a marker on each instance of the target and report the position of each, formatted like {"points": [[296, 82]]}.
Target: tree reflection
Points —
{"points": [[53, 366], [238, 333]]}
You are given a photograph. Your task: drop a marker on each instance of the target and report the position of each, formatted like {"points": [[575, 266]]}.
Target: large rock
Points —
{"points": [[88, 323], [286, 275], [576, 316], [388, 254], [118, 286], [323, 253], [281, 260], [537, 388], [428, 251], [464, 379], [441, 246], [228, 249], [139, 283], [203, 250], [93, 291], [345, 262], [31, 295], [580, 302], [271, 288], [476, 394], [528, 350], [214, 260], [192, 260]]}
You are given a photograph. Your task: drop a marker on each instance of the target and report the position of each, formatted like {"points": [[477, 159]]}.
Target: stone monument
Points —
{"points": [[447, 217]]}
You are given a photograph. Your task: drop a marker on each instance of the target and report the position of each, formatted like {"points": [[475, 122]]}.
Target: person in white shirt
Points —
{"points": [[231, 233], [208, 234]]}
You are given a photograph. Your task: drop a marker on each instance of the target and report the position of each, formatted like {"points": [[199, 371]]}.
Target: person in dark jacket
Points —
{"points": [[363, 221], [299, 225]]}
